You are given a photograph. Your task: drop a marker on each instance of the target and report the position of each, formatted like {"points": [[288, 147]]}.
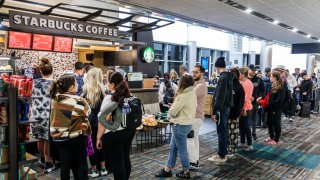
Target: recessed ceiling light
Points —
{"points": [[318, 40], [248, 10], [275, 22], [309, 36], [294, 30]]}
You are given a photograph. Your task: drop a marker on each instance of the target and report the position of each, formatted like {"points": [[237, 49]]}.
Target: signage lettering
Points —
{"points": [[53, 25]]}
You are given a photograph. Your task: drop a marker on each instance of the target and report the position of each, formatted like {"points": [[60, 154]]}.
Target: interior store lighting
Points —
{"points": [[275, 22], [294, 30], [309, 36]]}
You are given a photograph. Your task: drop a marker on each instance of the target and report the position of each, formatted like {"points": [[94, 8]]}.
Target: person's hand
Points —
{"points": [[108, 117], [99, 143], [244, 113], [84, 126], [252, 98], [297, 89], [213, 118], [259, 98], [305, 93]]}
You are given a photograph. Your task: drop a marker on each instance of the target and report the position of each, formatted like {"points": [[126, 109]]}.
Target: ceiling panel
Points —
{"points": [[302, 14]]}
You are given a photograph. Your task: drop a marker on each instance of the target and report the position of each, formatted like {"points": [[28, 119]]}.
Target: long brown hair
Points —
{"points": [[120, 86], [278, 83], [185, 82]]}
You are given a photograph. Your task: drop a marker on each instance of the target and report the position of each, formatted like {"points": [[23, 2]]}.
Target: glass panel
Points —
{"points": [[206, 52], [175, 52], [175, 66], [160, 68], [158, 51]]}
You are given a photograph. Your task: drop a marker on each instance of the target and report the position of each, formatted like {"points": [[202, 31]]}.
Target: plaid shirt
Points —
{"points": [[68, 113]]}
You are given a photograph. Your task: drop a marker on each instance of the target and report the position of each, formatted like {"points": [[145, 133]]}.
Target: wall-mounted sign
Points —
{"points": [[148, 54], [53, 25], [62, 44], [19, 40], [205, 63], [42, 42], [135, 76]]}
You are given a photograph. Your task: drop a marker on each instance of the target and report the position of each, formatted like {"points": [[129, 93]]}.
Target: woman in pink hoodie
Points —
{"points": [[245, 131]]}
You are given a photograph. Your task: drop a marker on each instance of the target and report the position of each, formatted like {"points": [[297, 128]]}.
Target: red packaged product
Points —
{"points": [[29, 86], [21, 87]]}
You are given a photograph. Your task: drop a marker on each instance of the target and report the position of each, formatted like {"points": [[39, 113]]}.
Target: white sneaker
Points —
{"points": [[217, 159], [241, 145], [104, 172], [94, 174], [291, 119], [249, 148], [230, 155], [284, 118]]}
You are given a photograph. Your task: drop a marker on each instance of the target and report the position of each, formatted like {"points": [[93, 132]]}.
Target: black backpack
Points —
{"points": [[169, 95], [132, 109]]}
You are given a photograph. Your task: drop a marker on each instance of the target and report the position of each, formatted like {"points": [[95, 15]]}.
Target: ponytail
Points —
{"points": [[62, 85], [54, 90], [121, 92]]}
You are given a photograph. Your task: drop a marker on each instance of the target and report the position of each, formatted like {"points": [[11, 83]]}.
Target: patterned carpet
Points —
{"points": [[296, 157]]}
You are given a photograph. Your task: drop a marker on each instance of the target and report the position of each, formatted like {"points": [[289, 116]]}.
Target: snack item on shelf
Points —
{"points": [[4, 113], [149, 120], [2, 88], [25, 111], [3, 134], [24, 132]]}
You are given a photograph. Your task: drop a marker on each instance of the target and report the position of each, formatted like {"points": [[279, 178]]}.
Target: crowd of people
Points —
{"points": [[80, 114]]}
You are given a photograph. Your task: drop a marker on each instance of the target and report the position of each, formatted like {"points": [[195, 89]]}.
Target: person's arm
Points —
{"points": [[199, 90], [241, 97], [160, 92], [101, 130], [293, 82], [220, 95], [177, 106]]}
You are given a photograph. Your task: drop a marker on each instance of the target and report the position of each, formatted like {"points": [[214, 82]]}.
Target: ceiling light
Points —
{"points": [[309, 36], [275, 22], [248, 10], [318, 40], [294, 30]]}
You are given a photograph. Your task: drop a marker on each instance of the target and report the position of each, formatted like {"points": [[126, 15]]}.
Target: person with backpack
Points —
{"points": [[94, 92], [166, 93], [119, 116], [182, 114], [273, 102]]}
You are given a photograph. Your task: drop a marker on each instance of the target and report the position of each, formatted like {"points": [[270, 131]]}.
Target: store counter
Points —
{"points": [[149, 98]]}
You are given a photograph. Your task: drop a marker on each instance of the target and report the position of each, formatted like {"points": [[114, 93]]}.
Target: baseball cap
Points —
{"points": [[253, 67], [267, 69], [280, 67]]}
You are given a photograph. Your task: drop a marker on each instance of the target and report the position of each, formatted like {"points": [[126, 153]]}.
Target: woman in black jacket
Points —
{"points": [[275, 108], [233, 121]]}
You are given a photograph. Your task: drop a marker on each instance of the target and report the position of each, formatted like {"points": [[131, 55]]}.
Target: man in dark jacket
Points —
{"points": [[221, 108], [306, 87], [258, 91], [233, 121], [267, 87]]}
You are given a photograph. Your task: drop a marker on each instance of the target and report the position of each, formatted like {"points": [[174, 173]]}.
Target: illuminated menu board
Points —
{"points": [[62, 44], [19, 40], [42, 42]]}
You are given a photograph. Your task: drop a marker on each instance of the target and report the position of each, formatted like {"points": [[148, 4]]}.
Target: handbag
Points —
{"points": [[190, 134], [264, 102]]}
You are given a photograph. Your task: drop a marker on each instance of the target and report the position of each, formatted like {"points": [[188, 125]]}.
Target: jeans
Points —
{"points": [[73, 155], [264, 117], [222, 130], [245, 131], [117, 147], [193, 143], [253, 117], [178, 144], [98, 155], [274, 124], [233, 128]]}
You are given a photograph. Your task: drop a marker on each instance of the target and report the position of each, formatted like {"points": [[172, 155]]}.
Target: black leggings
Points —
{"points": [[274, 124], [98, 155], [117, 147], [73, 155]]}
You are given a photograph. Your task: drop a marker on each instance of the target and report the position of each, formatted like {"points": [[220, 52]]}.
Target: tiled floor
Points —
{"points": [[296, 157]]}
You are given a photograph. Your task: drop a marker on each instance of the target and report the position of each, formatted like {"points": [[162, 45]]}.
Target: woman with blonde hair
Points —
{"points": [[94, 92], [174, 77]]}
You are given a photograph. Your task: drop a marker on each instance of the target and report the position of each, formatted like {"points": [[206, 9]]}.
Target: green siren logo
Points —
{"points": [[148, 54]]}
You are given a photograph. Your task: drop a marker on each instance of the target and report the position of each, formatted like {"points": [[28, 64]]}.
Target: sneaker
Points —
{"points": [[183, 175], [230, 155], [249, 148], [267, 140], [41, 162], [254, 137], [104, 172], [163, 174], [49, 167], [194, 166], [272, 143], [284, 118], [241, 145], [94, 173], [217, 159]]}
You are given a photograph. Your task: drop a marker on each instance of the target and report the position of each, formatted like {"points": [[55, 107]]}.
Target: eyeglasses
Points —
{"points": [[195, 72]]}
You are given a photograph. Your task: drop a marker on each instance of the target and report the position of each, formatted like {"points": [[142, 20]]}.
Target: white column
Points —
{"points": [[192, 54], [265, 55], [165, 58], [252, 52], [310, 63]]}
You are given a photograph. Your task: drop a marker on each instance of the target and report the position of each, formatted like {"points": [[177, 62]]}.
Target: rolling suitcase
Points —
{"points": [[305, 109]]}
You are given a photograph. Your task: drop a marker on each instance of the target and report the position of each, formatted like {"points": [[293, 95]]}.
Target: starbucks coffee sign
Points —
{"points": [[53, 25], [148, 54]]}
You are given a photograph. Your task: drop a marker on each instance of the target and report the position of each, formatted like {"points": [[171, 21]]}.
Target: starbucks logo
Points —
{"points": [[148, 54]]}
